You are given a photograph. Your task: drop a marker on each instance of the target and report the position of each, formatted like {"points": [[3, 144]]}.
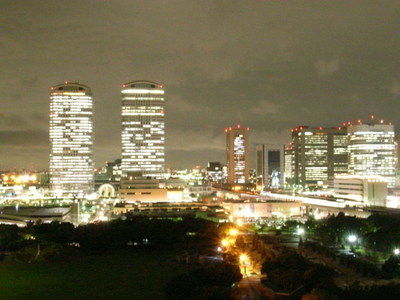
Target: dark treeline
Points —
{"points": [[290, 271], [377, 232], [207, 282], [131, 232], [292, 274]]}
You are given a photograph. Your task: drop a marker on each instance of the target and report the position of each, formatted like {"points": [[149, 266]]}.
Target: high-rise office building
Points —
{"points": [[372, 150], [237, 154], [71, 139], [270, 165], [318, 154], [143, 129]]}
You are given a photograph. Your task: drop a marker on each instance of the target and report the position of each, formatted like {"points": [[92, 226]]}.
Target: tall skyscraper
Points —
{"points": [[71, 139], [143, 136], [372, 150], [237, 154], [270, 165], [318, 154]]}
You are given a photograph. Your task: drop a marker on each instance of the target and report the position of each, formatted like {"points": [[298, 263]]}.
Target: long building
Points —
{"points": [[71, 139], [143, 136], [237, 154]]}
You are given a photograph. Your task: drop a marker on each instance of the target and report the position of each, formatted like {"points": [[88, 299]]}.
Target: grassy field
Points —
{"points": [[120, 275]]}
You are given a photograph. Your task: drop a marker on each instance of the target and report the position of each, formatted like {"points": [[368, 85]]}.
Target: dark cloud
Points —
{"points": [[269, 65], [24, 138]]}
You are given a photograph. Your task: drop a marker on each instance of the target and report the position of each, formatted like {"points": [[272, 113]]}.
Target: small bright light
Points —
{"points": [[233, 232], [300, 231], [352, 238], [239, 223], [243, 257], [396, 251], [219, 249], [225, 243]]}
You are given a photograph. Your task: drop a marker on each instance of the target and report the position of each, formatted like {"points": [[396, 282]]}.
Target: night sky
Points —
{"points": [[269, 65]]}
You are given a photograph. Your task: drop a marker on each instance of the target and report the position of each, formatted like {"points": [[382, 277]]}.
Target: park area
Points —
{"points": [[118, 275]]}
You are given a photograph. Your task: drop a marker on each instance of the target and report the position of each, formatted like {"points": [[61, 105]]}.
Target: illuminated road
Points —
{"points": [[252, 289]]}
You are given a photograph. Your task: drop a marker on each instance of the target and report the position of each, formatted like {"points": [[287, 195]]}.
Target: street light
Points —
{"points": [[396, 251], [233, 232], [225, 243], [300, 231], [352, 238], [243, 258]]}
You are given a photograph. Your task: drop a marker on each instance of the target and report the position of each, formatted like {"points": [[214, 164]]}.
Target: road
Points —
{"points": [[252, 289]]}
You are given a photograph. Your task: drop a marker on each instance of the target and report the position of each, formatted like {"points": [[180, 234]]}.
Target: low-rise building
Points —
{"points": [[141, 189], [249, 211], [367, 190]]}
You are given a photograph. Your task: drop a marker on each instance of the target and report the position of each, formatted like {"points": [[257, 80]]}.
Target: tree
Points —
{"points": [[391, 267]]}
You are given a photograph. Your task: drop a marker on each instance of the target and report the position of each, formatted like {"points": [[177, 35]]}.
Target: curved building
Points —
{"points": [[372, 150], [71, 139], [143, 140]]}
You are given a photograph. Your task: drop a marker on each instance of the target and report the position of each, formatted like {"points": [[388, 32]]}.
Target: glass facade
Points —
{"points": [[143, 136], [318, 154], [372, 151], [71, 139]]}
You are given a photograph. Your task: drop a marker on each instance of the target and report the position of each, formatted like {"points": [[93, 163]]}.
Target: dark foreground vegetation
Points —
{"points": [[133, 258], [294, 277]]}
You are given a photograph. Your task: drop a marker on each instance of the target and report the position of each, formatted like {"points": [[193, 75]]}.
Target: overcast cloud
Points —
{"points": [[268, 65]]}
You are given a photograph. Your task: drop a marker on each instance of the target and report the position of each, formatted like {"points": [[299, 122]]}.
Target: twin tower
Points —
{"points": [[71, 134]]}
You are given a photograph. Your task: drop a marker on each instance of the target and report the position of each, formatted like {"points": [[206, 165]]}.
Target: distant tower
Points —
{"points": [[143, 137], [71, 139], [372, 149], [237, 153]]}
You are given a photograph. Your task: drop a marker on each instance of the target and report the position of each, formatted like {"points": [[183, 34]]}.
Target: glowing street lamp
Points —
{"points": [[244, 261], [396, 251], [233, 232], [352, 238], [225, 243], [300, 231], [243, 258]]}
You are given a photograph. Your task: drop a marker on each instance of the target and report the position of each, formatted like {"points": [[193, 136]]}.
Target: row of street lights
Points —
{"points": [[229, 241]]}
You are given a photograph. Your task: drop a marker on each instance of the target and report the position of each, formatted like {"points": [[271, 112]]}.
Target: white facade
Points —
{"points": [[250, 211], [372, 151], [143, 128], [368, 190], [71, 139]]}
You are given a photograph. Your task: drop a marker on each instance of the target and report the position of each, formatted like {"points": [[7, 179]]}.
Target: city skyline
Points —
{"points": [[269, 65]]}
